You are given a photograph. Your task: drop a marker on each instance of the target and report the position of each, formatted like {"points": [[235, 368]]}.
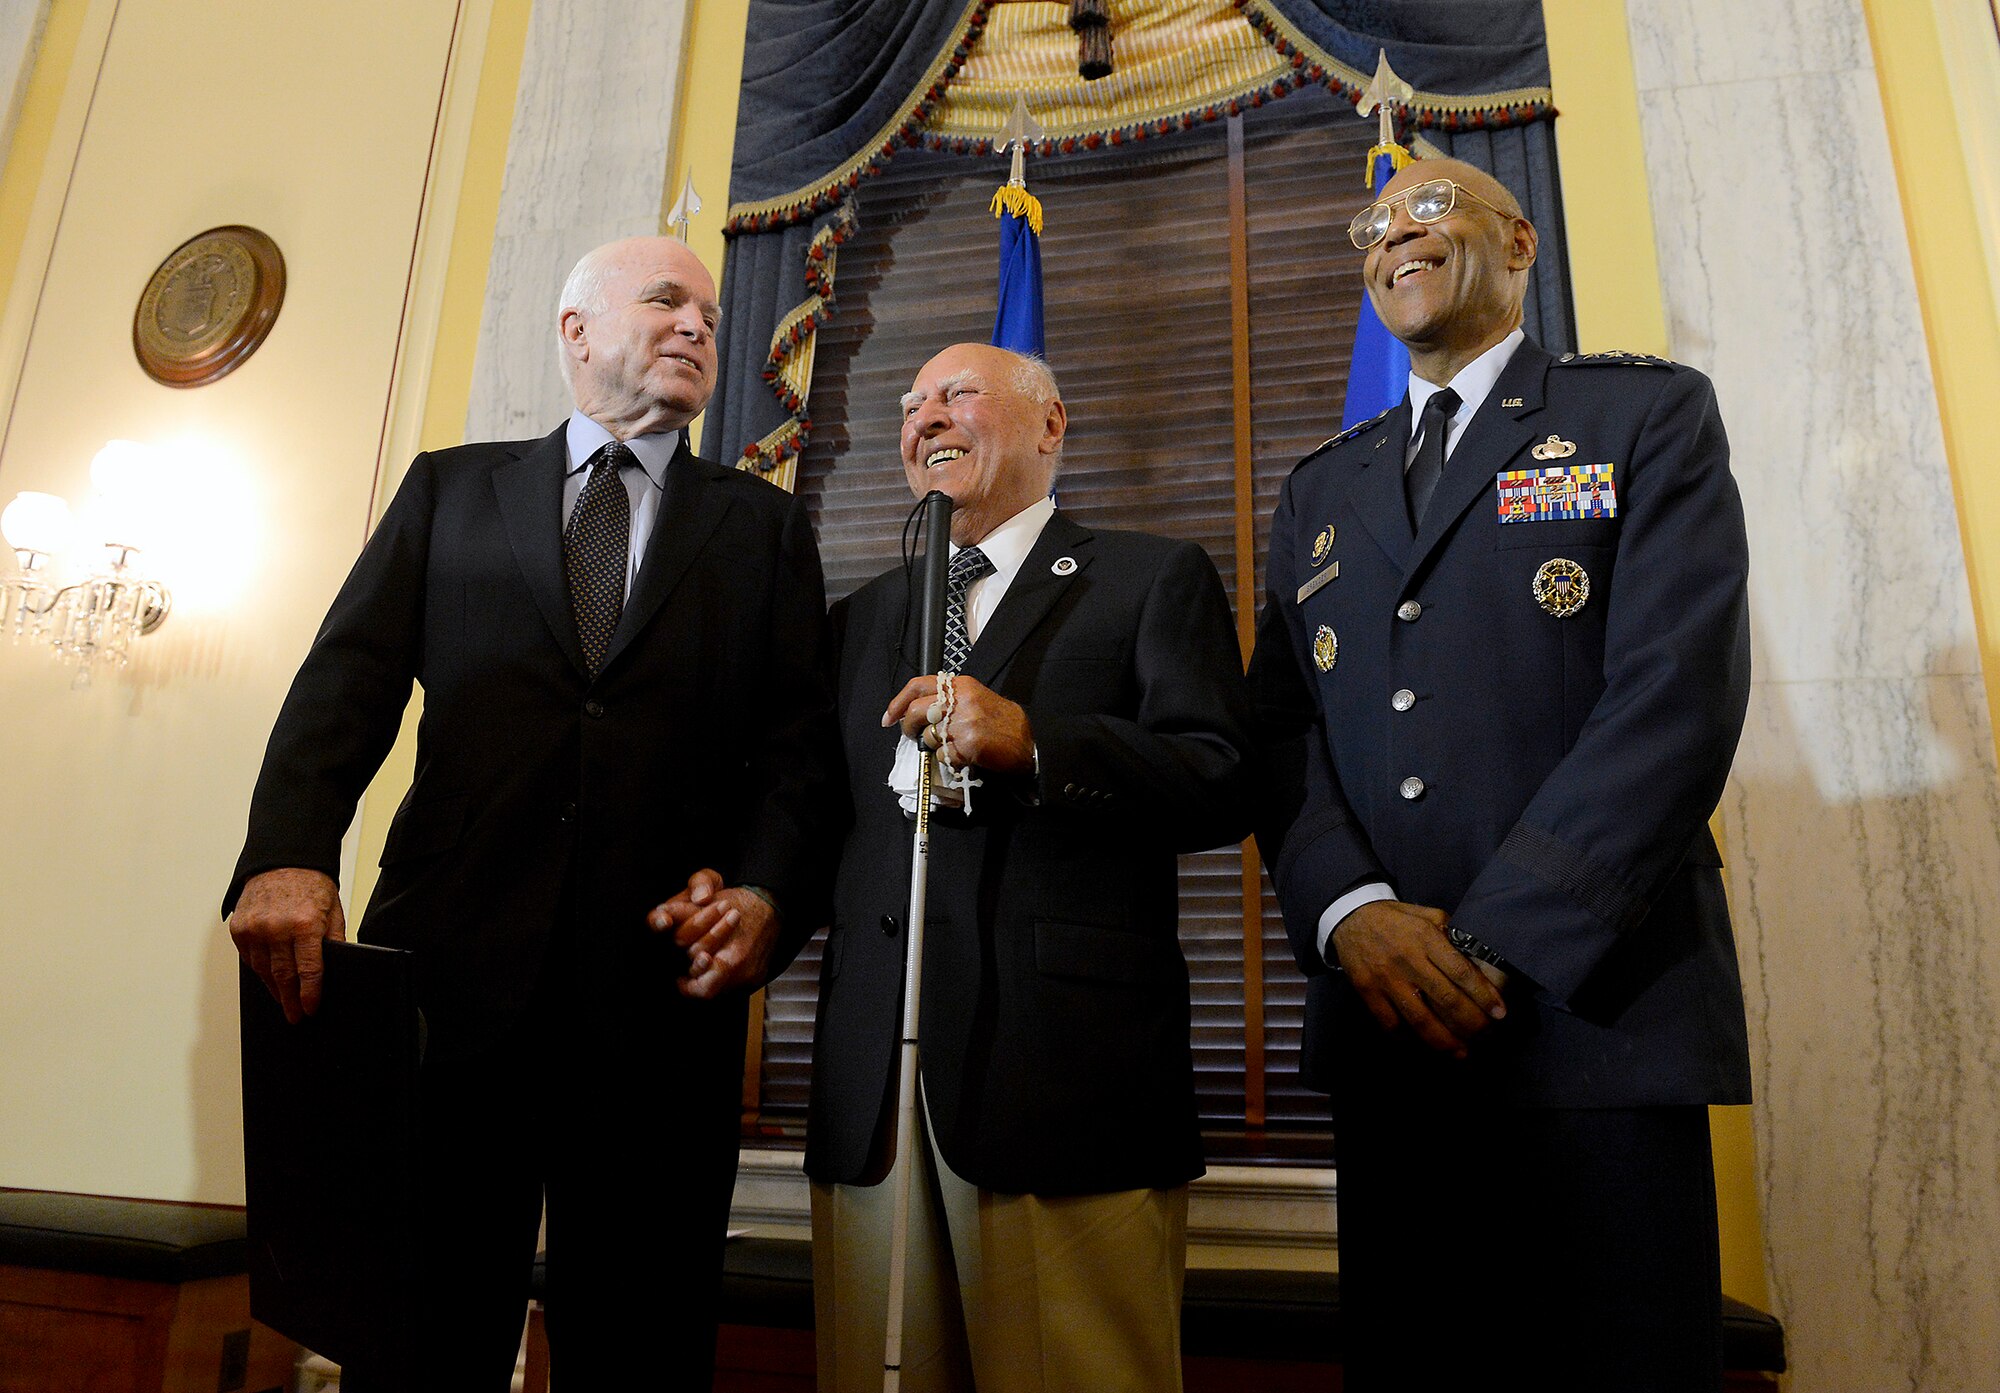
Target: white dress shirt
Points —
{"points": [[1474, 384], [1007, 547], [644, 486]]}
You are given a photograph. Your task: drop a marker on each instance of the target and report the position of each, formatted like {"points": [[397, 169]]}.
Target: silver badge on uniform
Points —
{"points": [[1312, 586]]}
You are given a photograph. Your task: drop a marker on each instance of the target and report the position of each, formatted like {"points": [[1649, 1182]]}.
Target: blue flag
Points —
{"points": [[1378, 376], [1017, 318]]}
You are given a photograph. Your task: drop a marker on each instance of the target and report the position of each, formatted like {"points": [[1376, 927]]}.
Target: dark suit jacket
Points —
{"points": [[1054, 1017], [541, 793], [1568, 765]]}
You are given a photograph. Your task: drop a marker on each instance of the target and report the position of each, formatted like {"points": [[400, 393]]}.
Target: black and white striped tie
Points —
{"points": [[966, 567], [597, 551]]}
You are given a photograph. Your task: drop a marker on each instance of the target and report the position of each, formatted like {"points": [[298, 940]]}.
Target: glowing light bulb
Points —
{"points": [[36, 522], [125, 484]]}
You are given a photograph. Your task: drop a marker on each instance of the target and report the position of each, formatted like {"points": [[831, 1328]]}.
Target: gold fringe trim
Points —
{"points": [[788, 366], [1398, 157], [1172, 55], [776, 457], [1012, 198]]}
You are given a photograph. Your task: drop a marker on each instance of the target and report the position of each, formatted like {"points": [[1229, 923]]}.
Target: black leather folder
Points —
{"points": [[329, 1146]]}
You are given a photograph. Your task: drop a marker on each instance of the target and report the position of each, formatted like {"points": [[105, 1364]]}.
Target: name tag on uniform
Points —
{"points": [[1306, 590], [1564, 493]]}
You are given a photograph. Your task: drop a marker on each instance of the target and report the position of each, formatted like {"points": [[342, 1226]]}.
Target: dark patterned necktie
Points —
{"points": [[966, 567], [597, 551], [1420, 481]]}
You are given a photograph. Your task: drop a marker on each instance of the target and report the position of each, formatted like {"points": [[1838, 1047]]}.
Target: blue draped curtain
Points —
{"points": [[832, 89]]}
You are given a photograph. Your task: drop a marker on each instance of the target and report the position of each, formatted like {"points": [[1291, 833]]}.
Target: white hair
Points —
{"points": [[583, 289], [1034, 378]]}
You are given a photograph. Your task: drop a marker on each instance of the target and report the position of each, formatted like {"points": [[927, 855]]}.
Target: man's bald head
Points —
{"points": [[1465, 175], [1452, 288], [636, 330]]}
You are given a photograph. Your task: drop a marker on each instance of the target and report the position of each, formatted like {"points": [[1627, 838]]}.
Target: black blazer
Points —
{"points": [[1054, 1021], [540, 793], [1567, 765]]}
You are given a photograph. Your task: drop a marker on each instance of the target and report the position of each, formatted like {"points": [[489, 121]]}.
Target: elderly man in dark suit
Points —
{"points": [[1098, 697], [1503, 664], [622, 649]]}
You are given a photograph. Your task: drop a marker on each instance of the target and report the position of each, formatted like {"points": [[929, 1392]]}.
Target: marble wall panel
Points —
{"points": [[1863, 816], [21, 24], [1690, 43], [587, 161]]}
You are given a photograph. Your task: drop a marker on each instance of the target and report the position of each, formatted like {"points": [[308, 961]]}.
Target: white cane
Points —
{"points": [[930, 640]]}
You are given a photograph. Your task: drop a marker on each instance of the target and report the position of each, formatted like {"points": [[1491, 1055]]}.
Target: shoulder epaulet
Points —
{"points": [[1629, 359], [1346, 435]]}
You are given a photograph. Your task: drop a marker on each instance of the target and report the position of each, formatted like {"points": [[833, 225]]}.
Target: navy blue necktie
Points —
{"points": [[1420, 481]]}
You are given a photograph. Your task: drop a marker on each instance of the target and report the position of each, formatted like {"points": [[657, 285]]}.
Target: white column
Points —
{"points": [[587, 161]]}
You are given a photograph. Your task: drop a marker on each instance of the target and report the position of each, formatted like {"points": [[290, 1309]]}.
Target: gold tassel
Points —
{"points": [[1012, 198], [1398, 157]]}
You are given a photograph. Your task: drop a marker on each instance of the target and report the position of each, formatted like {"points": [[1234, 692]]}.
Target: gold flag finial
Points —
{"points": [[1384, 92], [684, 209]]}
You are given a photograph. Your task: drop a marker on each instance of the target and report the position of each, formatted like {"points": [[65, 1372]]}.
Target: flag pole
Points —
{"points": [[930, 658], [1378, 370]]}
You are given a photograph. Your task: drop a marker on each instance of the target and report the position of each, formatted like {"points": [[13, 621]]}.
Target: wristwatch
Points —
{"points": [[1472, 947]]}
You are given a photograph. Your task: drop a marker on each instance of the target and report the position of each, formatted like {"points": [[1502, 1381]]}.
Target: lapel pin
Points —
{"points": [[1322, 545], [1511, 401], [1064, 566], [1555, 447]]}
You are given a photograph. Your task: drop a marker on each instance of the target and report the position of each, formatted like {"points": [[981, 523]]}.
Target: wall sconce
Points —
{"points": [[95, 619]]}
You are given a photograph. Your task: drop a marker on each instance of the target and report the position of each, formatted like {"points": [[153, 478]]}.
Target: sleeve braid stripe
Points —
{"points": [[1563, 866]]}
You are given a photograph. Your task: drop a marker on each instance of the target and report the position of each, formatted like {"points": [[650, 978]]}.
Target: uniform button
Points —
{"points": [[567, 815], [1408, 611], [889, 926], [1413, 788], [1069, 790], [1403, 700], [593, 709]]}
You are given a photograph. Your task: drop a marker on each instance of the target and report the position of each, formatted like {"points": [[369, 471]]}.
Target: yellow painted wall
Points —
{"points": [[33, 131], [450, 387], [1615, 278], [1939, 72], [707, 135], [126, 801]]}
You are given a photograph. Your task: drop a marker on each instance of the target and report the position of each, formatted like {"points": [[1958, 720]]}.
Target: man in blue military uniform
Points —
{"points": [[1503, 665]]}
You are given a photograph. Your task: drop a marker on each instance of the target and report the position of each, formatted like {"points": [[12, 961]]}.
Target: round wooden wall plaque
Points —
{"points": [[209, 306]]}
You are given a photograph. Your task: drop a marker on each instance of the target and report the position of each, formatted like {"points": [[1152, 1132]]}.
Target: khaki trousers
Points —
{"points": [[1003, 1293]]}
